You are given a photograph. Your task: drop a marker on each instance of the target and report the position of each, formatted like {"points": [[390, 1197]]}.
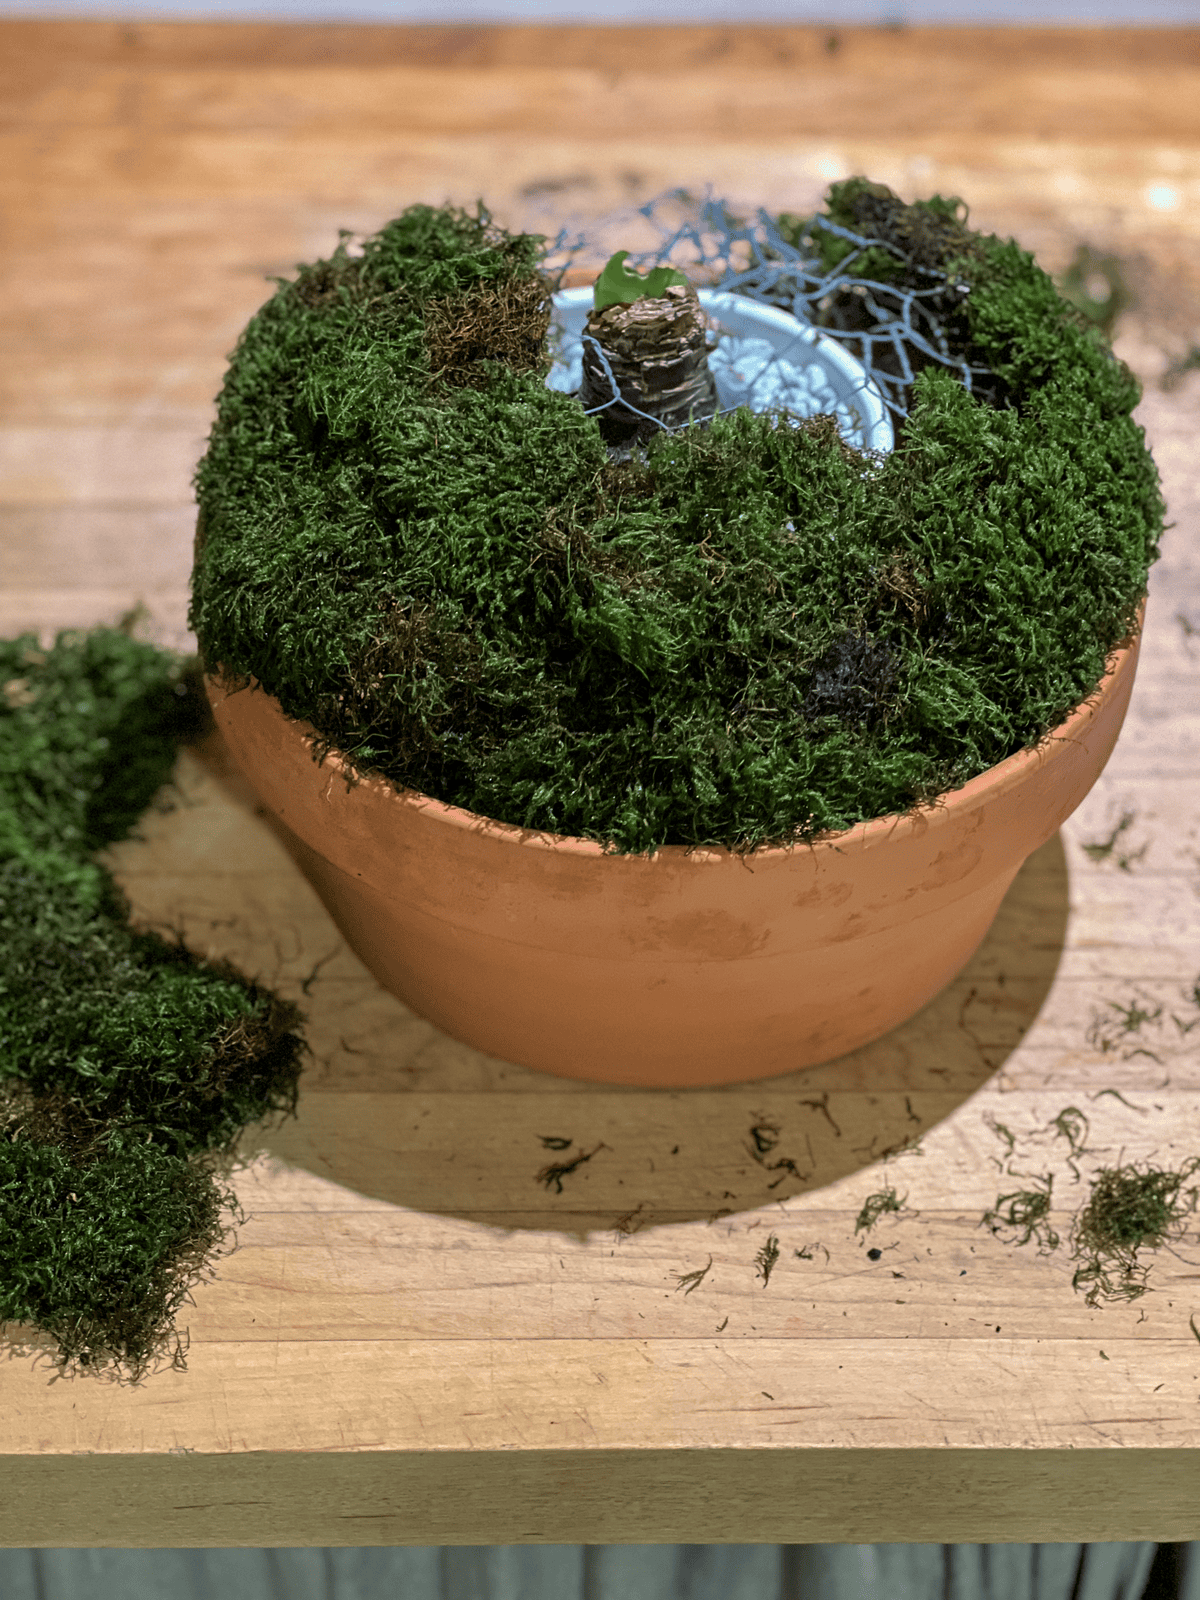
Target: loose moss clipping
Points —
{"points": [[1002, 1131], [1116, 1027], [1026, 1214], [1072, 1125], [687, 1281], [1131, 1208], [874, 1207], [746, 634], [127, 1066], [765, 1260], [1103, 849], [556, 1171]]}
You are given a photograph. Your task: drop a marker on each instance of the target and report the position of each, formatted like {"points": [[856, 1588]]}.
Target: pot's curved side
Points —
{"points": [[676, 969], [625, 1020]]}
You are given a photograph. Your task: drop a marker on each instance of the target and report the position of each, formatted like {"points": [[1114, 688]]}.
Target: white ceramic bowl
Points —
{"points": [[764, 358]]}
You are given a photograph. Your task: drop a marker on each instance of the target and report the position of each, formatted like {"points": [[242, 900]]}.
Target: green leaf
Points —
{"points": [[618, 284]]}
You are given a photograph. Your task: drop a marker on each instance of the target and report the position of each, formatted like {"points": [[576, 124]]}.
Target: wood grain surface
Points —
{"points": [[421, 1338]]}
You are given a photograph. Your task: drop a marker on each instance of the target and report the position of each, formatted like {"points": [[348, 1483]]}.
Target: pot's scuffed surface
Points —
{"points": [[682, 968]]}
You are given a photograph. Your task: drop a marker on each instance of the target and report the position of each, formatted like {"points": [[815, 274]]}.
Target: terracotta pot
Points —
{"points": [[681, 968]]}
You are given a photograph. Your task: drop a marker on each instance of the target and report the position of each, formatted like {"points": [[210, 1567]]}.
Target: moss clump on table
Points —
{"points": [[1130, 1208], [127, 1065], [747, 634]]}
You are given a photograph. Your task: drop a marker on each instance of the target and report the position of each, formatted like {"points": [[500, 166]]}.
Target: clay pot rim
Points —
{"points": [[987, 787]]}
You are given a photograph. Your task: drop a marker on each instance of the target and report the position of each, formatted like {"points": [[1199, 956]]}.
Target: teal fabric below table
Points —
{"points": [[614, 1572]]}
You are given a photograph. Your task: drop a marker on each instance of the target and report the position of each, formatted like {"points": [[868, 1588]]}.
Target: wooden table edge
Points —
{"points": [[724, 1496]]}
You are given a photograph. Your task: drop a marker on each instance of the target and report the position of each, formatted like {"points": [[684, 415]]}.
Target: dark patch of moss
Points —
{"points": [[852, 682], [741, 636], [127, 1066], [506, 321], [926, 238], [924, 250], [88, 735]]}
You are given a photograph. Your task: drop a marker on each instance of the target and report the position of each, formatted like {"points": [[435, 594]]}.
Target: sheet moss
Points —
{"points": [[747, 634], [127, 1065]]}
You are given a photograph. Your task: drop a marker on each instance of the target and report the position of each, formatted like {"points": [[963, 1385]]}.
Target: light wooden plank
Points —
{"points": [[1069, 82], [821, 96], [45, 46], [484, 1153], [89, 466], [48, 611], [135, 547], [768, 1394]]}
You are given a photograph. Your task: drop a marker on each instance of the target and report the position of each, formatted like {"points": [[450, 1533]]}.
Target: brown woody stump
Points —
{"points": [[657, 351]]}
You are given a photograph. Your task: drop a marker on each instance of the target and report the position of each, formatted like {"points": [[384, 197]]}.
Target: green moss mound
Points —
{"points": [[747, 635], [127, 1066]]}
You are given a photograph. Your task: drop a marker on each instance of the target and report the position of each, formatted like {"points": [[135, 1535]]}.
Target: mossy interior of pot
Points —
{"points": [[744, 634], [127, 1065]]}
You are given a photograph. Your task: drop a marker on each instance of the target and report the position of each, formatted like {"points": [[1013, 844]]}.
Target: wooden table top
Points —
{"points": [[416, 1340]]}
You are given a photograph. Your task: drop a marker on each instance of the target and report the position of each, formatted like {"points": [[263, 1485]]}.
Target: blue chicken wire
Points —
{"points": [[762, 358], [734, 255]]}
